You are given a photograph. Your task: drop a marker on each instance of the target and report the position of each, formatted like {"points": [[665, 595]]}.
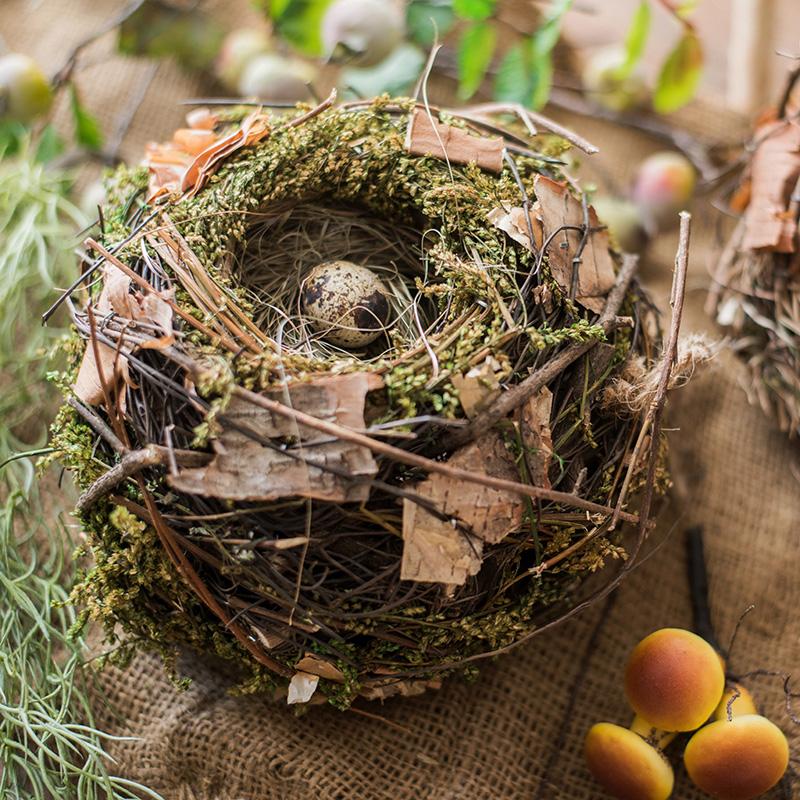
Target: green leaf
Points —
{"points": [[635, 39], [87, 129], [541, 54], [276, 8], [679, 75], [394, 75], [541, 79], [512, 83], [49, 146], [12, 135], [426, 18], [474, 9], [158, 30], [525, 74], [475, 51], [300, 23], [545, 38]]}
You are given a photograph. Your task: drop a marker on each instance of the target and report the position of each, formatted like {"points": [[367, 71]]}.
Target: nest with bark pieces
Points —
{"points": [[756, 290], [345, 522]]}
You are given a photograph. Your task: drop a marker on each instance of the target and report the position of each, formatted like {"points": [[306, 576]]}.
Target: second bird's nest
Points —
{"points": [[756, 290]]}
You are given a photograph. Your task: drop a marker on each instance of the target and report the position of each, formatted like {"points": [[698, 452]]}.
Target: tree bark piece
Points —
{"points": [[558, 209], [428, 137], [436, 550], [771, 216], [243, 469], [537, 437]]}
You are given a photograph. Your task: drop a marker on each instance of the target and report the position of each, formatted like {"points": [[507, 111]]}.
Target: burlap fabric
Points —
{"points": [[518, 731]]}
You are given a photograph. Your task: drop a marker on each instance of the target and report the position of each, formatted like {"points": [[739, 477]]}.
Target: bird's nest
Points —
{"points": [[756, 290], [356, 522]]}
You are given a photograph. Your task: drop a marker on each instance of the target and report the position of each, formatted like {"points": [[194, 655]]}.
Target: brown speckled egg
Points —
{"points": [[346, 303]]}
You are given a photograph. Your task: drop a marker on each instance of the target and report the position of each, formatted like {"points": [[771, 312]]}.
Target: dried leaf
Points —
{"points": [[115, 297], [478, 387], [202, 119], [511, 220], [156, 310], [771, 215], [267, 638], [426, 137], [114, 370], [740, 198], [243, 469], [193, 140], [435, 550], [166, 165], [195, 153], [112, 366], [301, 688], [254, 128], [536, 436], [557, 207], [314, 665]]}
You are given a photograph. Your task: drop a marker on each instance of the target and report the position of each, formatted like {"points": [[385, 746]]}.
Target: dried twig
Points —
{"points": [[133, 462], [414, 460]]}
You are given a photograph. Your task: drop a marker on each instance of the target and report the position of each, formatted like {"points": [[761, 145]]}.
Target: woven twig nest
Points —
{"points": [[356, 516], [756, 290]]}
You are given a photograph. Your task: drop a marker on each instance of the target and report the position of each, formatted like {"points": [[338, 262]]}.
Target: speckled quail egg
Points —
{"points": [[346, 303]]}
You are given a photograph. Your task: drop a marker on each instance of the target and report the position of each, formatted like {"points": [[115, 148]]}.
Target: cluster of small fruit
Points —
{"points": [[662, 186], [362, 33], [675, 682]]}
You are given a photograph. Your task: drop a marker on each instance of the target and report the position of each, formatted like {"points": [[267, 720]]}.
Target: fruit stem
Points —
{"points": [[655, 736]]}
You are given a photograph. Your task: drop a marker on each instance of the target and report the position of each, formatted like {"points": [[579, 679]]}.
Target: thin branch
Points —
{"points": [[696, 150], [142, 283], [670, 354], [526, 115], [132, 463], [98, 425], [64, 74]]}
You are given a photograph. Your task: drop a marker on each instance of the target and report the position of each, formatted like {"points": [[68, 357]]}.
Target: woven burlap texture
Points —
{"points": [[517, 732]]}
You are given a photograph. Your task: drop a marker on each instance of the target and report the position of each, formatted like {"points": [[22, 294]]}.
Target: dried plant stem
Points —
{"points": [[98, 425], [185, 568], [142, 283], [656, 410], [528, 117]]}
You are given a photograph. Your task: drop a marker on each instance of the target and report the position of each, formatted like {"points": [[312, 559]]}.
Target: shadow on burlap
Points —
{"points": [[517, 732]]}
